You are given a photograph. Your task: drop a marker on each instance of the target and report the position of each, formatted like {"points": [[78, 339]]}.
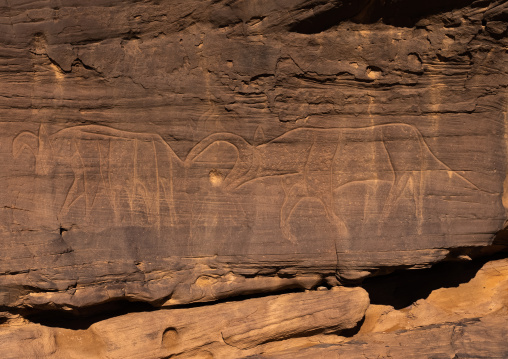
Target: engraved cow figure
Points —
{"points": [[316, 162], [134, 172]]}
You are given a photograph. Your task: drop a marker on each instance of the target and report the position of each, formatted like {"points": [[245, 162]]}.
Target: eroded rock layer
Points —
{"points": [[157, 155], [468, 320], [183, 151]]}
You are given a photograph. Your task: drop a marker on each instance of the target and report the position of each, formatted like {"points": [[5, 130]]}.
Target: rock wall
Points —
{"points": [[165, 153], [464, 321]]}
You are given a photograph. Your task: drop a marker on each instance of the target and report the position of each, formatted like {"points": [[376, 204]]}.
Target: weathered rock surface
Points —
{"points": [[183, 151], [474, 338], [168, 152], [469, 321], [464, 321], [485, 294], [227, 329]]}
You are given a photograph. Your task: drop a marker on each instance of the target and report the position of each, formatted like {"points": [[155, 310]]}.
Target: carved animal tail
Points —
{"points": [[444, 166], [243, 163]]}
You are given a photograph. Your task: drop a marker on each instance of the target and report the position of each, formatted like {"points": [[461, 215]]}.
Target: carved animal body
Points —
{"points": [[133, 171], [316, 163]]}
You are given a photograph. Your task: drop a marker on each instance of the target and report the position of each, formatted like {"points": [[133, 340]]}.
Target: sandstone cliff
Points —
{"points": [[181, 177]]}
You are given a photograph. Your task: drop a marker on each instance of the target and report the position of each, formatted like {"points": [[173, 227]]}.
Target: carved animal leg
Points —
{"points": [[335, 220], [405, 150], [77, 185], [414, 181], [398, 187], [104, 168], [293, 196], [167, 196], [319, 186], [417, 187]]}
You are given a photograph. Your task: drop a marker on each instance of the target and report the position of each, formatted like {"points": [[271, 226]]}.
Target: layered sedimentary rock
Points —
{"points": [[226, 329], [478, 338], [464, 321], [485, 294], [183, 151], [171, 152], [468, 320]]}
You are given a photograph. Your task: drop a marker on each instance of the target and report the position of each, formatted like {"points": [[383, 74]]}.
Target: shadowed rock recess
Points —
{"points": [[253, 179]]}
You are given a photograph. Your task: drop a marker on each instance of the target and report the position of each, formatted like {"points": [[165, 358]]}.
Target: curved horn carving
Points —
{"points": [[25, 141], [244, 162], [40, 147]]}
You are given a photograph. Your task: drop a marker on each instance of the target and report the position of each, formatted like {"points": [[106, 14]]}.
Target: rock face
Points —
{"points": [[464, 321], [228, 328], [151, 147], [485, 294], [180, 151], [480, 338]]}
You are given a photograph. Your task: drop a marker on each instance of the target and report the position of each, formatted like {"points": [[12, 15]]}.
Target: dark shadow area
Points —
{"points": [[325, 19], [352, 331], [399, 13], [406, 13], [83, 318], [402, 288], [501, 240]]}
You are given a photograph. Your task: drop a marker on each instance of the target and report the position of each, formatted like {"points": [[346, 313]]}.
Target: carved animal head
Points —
{"points": [[244, 163], [39, 145]]}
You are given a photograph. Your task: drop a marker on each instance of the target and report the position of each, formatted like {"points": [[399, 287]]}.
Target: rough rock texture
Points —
{"points": [[475, 338], [227, 329], [169, 152], [485, 294], [152, 147], [467, 321], [464, 321]]}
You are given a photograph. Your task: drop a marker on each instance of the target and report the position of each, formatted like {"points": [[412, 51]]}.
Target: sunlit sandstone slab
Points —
{"points": [[227, 329]]}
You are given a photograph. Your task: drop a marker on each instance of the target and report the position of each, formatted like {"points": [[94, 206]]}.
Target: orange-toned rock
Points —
{"points": [[224, 330], [485, 294], [172, 152]]}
